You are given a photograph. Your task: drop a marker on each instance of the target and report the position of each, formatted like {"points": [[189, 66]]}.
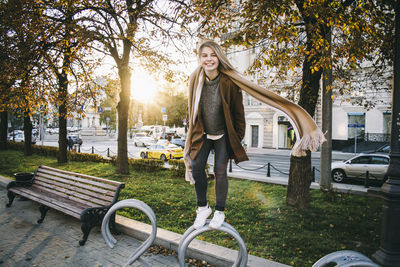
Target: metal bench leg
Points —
{"points": [[113, 226], [11, 197], [43, 211], [90, 218], [86, 227]]}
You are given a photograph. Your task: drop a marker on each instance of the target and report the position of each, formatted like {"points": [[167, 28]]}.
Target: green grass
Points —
{"points": [[258, 211]]}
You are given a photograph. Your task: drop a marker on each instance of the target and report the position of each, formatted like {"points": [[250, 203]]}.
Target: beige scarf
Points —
{"points": [[309, 136]]}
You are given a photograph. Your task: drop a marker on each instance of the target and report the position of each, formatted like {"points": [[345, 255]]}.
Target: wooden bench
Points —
{"points": [[84, 197]]}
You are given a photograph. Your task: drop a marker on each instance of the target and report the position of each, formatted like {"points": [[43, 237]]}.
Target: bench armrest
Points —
{"points": [[19, 184], [94, 214]]}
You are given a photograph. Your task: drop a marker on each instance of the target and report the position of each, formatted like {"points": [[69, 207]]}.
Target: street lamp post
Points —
{"points": [[389, 250]]}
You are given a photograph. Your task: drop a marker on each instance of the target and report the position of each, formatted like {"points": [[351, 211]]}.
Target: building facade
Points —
{"points": [[351, 116]]}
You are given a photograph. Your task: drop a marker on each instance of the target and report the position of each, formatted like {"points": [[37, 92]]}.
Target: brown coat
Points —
{"points": [[232, 104]]}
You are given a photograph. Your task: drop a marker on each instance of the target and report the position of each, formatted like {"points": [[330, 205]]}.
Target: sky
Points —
{"points": [[145, 85]]}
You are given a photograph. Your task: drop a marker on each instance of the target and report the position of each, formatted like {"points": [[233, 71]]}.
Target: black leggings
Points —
{"points": [[221, 159]]}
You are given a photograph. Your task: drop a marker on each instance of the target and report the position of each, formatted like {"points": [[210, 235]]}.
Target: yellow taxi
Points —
{"points": [[162, 152]]}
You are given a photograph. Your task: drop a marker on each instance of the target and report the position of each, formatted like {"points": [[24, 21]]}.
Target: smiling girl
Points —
{"points": [[218, 123]]}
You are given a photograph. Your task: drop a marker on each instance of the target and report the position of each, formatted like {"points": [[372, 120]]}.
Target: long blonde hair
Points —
{"points": [[223, 60]]}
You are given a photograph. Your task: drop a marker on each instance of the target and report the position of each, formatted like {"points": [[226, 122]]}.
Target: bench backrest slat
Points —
{"points": [[85, 189], [77, 177], [71, 196], [94, 178], [71, 190], [72, 185]]}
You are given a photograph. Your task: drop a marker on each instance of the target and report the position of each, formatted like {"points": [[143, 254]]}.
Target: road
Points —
{"points": [[258, 159]]}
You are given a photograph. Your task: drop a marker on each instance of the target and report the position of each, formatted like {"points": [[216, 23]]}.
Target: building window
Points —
{"points": [[254, 135], [282, 118], [356, 124], [387, 121], [249, 100]]}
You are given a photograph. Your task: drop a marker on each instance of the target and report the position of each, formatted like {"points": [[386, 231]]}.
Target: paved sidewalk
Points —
{"points": [[23, 242]]}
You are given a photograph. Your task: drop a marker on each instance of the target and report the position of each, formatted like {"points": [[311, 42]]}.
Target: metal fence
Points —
{"points": [[376, 137]]}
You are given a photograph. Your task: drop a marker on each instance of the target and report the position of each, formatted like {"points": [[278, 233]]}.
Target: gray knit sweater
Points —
{"points": [[211, 108]]}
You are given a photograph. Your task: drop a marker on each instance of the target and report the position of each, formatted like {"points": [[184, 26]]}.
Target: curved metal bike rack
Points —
{"points": [[130, 203], [191, 233], [345, 258]]}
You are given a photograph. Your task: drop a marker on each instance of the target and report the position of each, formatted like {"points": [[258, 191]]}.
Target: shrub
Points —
{"points": [[150, 165], [113, 160], [86, 157], [52, 151], [45, 150], [15, 146], [177, 167], [36, 149]]}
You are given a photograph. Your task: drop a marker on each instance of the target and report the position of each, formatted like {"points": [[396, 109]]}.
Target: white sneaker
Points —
{"points": [[218, 219], [202, 215]]}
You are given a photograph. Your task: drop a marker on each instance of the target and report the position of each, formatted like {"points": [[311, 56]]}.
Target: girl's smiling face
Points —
{"points": [[209, 60]]}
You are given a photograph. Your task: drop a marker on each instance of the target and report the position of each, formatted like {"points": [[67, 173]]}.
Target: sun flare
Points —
{"points": [[143, 86]]}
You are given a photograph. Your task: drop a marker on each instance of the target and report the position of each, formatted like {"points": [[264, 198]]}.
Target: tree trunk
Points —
{"points": [[123, 111], [300, 168], [3, 129], [27, 134], [62, 119], [326, 148], [300, 176]]}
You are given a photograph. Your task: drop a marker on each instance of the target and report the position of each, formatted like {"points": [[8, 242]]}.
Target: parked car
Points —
{"points": [[168, 135], [163, 142], [356, 167], [77, 140], [14, 133], [383, 149], [52, 131], [20, 137], [162, 152], [178, 142], [140, 134], [144, 141]]}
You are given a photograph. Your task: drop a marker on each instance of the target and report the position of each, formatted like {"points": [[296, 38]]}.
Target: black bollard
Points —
{"points": [[230, 165], [366, 179], [92, 149], [79, 148], [313, 174], [108, 152], [269, 170]]}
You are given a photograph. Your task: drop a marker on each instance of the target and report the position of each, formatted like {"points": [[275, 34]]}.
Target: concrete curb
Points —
{"points": [[214, 254], [201, 250]]}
